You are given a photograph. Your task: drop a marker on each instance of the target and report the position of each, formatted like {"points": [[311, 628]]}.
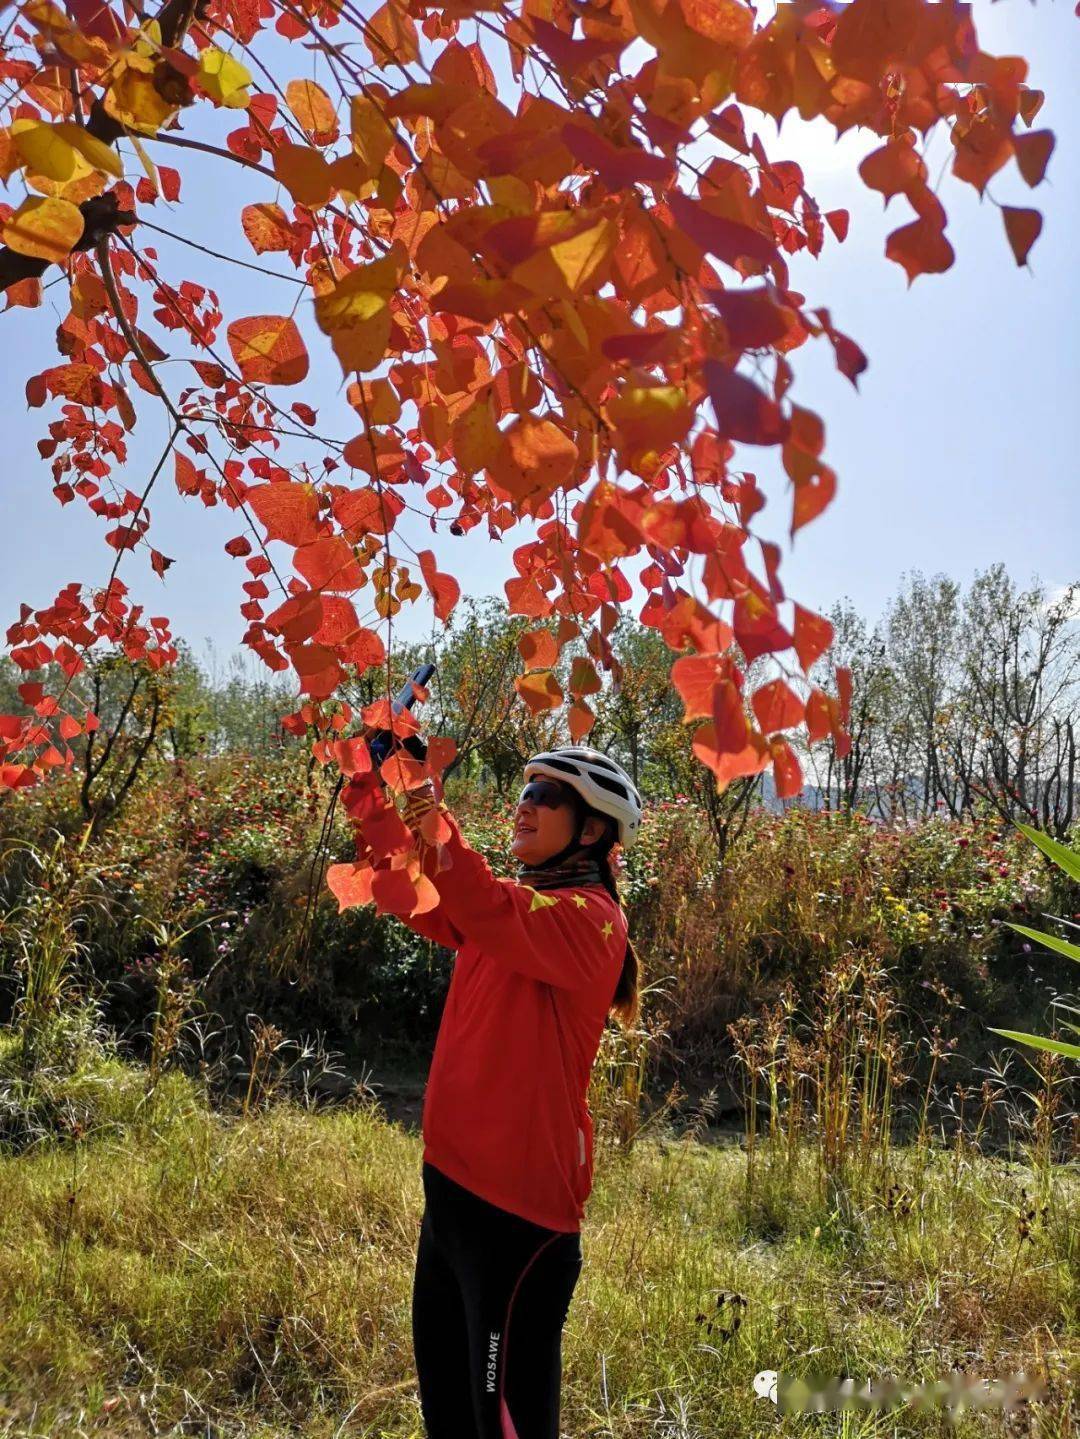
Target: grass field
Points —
{"points": [[166, 1269]]}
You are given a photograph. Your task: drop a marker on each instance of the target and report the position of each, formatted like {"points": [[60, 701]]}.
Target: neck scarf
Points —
{"points": [[571, 872]]}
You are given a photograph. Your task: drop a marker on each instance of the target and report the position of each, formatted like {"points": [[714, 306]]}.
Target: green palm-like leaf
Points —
{"points": [[1066, 859], [1037, 1041], [1051, 941]]}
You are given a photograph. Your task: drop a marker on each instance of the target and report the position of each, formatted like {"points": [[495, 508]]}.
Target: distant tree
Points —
{"points": [[1020, 687]]}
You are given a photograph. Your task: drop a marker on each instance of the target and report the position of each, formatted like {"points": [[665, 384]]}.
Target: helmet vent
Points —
{"points": [[613, 786], [563, 765], [599, 759]]}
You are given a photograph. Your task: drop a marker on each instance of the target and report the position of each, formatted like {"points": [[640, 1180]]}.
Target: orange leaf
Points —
{"points": [[402, 773], [317, 668], [353, 755], [537, 458], [540, 690], [350, 884], [391, 35], [445, 590], [1023, 227], [290, 511], [393, 891], [268, 350], [266, 227], [305, 174], [539, 649], [893, 169], [313, 109], [696, 677], [580, 720], [728, 765], [329, 564], [583, 677]]}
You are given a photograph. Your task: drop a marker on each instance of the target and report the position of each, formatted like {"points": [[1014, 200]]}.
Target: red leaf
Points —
{"points": [[838, 221], [786, 769], [752, 318], [329, 564], [921, 248], [1023, 227], [776, 707], [743, 412], [727, 239], [187, 477], [298, 619], [813, 636], [1033, 154]]}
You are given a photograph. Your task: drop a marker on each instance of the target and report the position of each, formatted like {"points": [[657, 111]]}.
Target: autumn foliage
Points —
{"points": [[550, 253]]}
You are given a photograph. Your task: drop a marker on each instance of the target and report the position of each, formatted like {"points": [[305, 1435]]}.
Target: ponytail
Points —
{"points": [[625, 1003]]}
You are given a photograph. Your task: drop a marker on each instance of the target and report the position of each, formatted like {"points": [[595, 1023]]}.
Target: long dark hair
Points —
{"points": [[625, 1003]]}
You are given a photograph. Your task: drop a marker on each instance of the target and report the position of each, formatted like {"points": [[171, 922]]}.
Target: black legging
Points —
{"points": [[490, 1296]]}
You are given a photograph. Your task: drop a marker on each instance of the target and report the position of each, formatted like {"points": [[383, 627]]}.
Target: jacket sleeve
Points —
{"points": [[434, 925], [566, 938]]}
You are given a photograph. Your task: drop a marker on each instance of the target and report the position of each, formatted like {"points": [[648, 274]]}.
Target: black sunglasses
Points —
{"points": [[547, 792]]}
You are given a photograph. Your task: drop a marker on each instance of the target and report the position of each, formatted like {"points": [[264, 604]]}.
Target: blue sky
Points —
{"points": [[957, 451]]}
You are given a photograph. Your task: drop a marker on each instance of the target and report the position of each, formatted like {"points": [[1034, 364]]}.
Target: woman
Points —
{"points": [[508, 1154]]}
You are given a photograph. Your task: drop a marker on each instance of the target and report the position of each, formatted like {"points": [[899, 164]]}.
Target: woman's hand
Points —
{"points": [[418, 803]]}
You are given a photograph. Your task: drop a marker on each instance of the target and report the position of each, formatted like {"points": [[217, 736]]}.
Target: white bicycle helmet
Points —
{"points": [[603, 785]]}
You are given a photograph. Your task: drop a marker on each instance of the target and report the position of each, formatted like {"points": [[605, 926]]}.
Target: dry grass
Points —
{"points": [[181, 1272]]}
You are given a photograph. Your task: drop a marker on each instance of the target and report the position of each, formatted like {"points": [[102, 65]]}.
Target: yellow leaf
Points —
{"points": [[377, 400], [371, 135], [132, 98], [224, 78], [148, 165], [94, 151], [569, 266], [356, 312], [44, 228], [46, 152]]}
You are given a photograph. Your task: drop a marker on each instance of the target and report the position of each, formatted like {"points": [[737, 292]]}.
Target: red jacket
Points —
{"points": [[505, 1109]]}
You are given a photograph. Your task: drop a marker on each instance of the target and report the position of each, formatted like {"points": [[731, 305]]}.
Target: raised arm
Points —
{"points": [[568, 938]]}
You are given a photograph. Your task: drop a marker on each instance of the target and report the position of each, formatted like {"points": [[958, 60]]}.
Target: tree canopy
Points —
{"points": [[550, 253]]}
